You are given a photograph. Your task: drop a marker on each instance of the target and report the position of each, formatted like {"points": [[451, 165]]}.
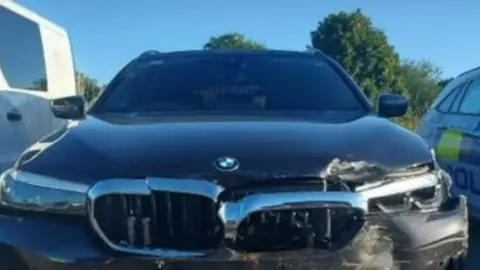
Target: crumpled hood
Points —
{"points": [[266, 148]]}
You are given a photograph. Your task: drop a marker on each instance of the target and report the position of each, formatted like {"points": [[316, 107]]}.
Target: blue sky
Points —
{"points": [[106, 34]]}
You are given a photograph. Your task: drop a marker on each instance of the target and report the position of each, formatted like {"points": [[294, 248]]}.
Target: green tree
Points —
{"points": [[87, 86], [39, 84], [422, 81], [233, 40], [362, 49], [444, 82]]}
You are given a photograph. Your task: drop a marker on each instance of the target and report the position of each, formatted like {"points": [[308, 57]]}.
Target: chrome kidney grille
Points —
{"points": [[162, 219], [184, 218]]}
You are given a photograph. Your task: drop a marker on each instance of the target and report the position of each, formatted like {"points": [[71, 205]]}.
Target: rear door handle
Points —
{"points": [[14, 116]]}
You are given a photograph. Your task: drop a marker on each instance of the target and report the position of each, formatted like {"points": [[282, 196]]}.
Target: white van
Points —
{"points": [[36, 65]]}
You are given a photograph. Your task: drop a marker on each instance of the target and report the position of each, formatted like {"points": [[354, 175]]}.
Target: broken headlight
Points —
{"points": [[33, 192], [403, 192]]}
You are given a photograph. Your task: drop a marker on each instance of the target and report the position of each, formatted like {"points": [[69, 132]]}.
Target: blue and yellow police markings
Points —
{"points": [[459, 155], [448, 147]]}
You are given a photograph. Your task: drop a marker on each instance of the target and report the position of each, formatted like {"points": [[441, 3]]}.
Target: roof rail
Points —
{"points": [[313, 50], [149, 53], [142, 57], [468, 71]]}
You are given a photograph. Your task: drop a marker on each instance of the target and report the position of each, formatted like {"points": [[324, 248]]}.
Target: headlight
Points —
{"points": [[33, 192], [424, 192]]}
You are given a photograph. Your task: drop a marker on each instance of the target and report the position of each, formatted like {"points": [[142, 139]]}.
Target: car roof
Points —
{"points": [[453, 84], [152, 54], [474, 71], [465, 76]]}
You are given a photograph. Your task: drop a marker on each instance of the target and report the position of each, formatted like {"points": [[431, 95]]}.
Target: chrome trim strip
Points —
{"points": [[190, 186], [145, 187], [232, 213], [45, 181], [34, 192], [397, 186], [119, 186]]}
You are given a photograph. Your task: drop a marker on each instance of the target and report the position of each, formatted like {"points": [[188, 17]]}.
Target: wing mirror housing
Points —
{"points": [[71, 108], [391, 105]]}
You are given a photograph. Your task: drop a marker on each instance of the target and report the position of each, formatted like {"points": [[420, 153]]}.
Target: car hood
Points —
{"points": [[266, 148]]}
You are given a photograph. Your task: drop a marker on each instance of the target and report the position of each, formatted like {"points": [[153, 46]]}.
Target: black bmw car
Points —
{"points": [[230, 160]]}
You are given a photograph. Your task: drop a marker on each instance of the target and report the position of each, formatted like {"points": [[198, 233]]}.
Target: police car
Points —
{"points": [[452, 128]]}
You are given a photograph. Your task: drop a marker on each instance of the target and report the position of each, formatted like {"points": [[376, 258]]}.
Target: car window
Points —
{"points": [[21, 53], [458, 99], [471, 101], [447, 102], [232, 83]]}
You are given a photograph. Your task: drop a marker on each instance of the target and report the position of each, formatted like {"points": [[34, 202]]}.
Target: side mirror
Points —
{"points": [[72, 108], [391, 105]]}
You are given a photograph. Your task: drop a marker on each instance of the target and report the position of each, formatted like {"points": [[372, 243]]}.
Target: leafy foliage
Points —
{"points": [[40, 84], [362, 49], [87, 86], [423, 82], [233, 41], [444, 82]]}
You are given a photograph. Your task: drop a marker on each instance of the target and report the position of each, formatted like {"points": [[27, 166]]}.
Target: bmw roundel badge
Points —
{"points": [[226, 164]]}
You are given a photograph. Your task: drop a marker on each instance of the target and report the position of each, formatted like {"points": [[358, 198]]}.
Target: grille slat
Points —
{"points": [[297, 229], [168, 212], [161, 220], [154, 219]]}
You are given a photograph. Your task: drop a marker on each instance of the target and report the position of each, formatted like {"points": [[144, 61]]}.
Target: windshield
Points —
{"points": [[215, 83]]}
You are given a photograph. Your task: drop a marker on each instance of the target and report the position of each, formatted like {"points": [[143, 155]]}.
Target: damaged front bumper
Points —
{"points": [[401, 241], [391, 220]]}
